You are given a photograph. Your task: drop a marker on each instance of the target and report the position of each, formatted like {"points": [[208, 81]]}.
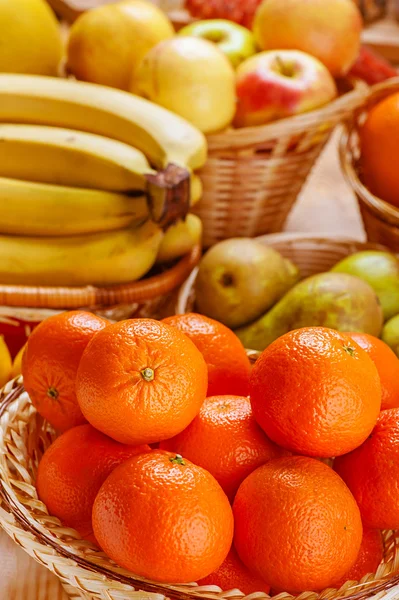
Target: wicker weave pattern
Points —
{"points": [[381, 220], [254, 174]]}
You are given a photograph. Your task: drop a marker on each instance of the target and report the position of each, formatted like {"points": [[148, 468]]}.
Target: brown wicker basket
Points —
{"points": [[381, 220], [312, 255], [83, 569]]}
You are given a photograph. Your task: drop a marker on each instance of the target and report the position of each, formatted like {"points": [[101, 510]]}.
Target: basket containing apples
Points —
{"points": [[266, 94]]}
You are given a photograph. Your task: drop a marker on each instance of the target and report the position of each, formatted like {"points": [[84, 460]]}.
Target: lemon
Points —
{"points": [[30, 38], [17, 364], [5, 362]]}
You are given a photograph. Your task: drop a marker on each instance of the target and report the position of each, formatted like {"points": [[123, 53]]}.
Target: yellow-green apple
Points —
{"points": [[106, 43], [235, 41], [280, 83], [191, 77], [327, 29]]}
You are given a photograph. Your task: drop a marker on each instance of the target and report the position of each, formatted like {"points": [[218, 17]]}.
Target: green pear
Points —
{"points": [[381, 270], [390, 334], [334, 300], [239, 279]]}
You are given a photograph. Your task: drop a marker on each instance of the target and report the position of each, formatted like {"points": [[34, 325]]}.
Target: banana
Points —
{"points": [[40, 209], [97, 259], [162, 136], [179, 239], [71, 158]]}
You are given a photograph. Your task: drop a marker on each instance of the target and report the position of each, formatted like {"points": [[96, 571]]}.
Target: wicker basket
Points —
{"points": [[85, 572], [254, 174], [381, 220], [311, 254]]}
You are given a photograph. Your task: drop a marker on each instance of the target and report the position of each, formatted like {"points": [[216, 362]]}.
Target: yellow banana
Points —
{"points": [[72, 158], [179, 239], [41, 209], [97, 259], [161, 135]]}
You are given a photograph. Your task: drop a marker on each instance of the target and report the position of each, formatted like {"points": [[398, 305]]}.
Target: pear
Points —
{"points": [[334, 300], [239, 279], [381, 270], [390, 334]]}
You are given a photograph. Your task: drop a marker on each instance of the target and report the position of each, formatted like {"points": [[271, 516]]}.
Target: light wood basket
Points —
{"points": [[311, 253], [254, 174], [381, 220], [85, 572]]}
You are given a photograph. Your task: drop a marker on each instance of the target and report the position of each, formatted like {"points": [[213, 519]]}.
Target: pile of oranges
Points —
{"points": [[184, 463]]}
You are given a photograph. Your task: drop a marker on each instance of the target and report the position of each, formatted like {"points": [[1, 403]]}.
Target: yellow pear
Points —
{"points": [[31, 40], [191, 77], [17, 364], [5, 363], [107, 43]]}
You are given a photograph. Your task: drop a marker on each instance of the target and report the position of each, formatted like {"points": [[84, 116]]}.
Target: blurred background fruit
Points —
{"points": [[31, 38], [6, 366], [107, 44], [281, 83], [330, 31], [235, 41], [191, 77], [240, 11], [390, 334]]}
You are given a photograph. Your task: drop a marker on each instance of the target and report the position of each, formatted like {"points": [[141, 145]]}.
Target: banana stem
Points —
{"points": [[168, 195]]}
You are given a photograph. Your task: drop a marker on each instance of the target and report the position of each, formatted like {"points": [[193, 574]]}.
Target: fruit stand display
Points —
{"points": [[188, 410]]}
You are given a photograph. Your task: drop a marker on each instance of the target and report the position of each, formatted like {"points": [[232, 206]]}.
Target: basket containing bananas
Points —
{"points": [[96, 186]]}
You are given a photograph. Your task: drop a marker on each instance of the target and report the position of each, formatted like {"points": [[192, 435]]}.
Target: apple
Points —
{"points": [[235, 41], [107, 43], [327, 29], [281, 83], [191, 77]]}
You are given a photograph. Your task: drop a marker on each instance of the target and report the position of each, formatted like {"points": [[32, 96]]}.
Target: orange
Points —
{"points": [[316, 392], [225, 440], [50, 363], [379, 144], [233, 574], [297, 526], [387, 364], [228, 365], [73, 469], [163, 518], [372, 473], [370, 555], [141, 381]]}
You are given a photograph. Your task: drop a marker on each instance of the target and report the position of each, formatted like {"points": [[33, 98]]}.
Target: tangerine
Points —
{"points": [[50, 362], [372, 473], [141, 381], [228, 365], [164, 518], [387, 364], [315, 392], [225, 440], [297, 526], [73, 469]]}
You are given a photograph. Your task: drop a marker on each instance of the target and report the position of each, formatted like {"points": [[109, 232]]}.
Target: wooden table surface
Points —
{"points": [[326, 206]]}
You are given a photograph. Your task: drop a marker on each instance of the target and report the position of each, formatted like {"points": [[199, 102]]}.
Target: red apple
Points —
{"points": [[327, 29], [280, 83]]}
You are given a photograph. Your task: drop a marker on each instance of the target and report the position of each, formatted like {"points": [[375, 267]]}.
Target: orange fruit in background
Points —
{"points": [[164, 518], [233, 574], [297, 526], [228, 365], [379, 144], [141, 381], [372, 473], [50, 363], [225, 440], [316, 392], [73, 469], [370, 555], [387, 364]]}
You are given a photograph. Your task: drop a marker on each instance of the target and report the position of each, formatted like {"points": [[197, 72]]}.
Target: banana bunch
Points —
{"points": [[93, 182]]}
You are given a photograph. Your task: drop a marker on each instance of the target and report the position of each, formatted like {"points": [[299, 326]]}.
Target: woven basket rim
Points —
{"points": [[245, 136], [349, 128], [11, 395]]}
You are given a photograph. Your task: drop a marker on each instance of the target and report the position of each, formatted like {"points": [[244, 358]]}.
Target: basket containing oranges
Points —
{"points": [[368, 151], [160, 459]]}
